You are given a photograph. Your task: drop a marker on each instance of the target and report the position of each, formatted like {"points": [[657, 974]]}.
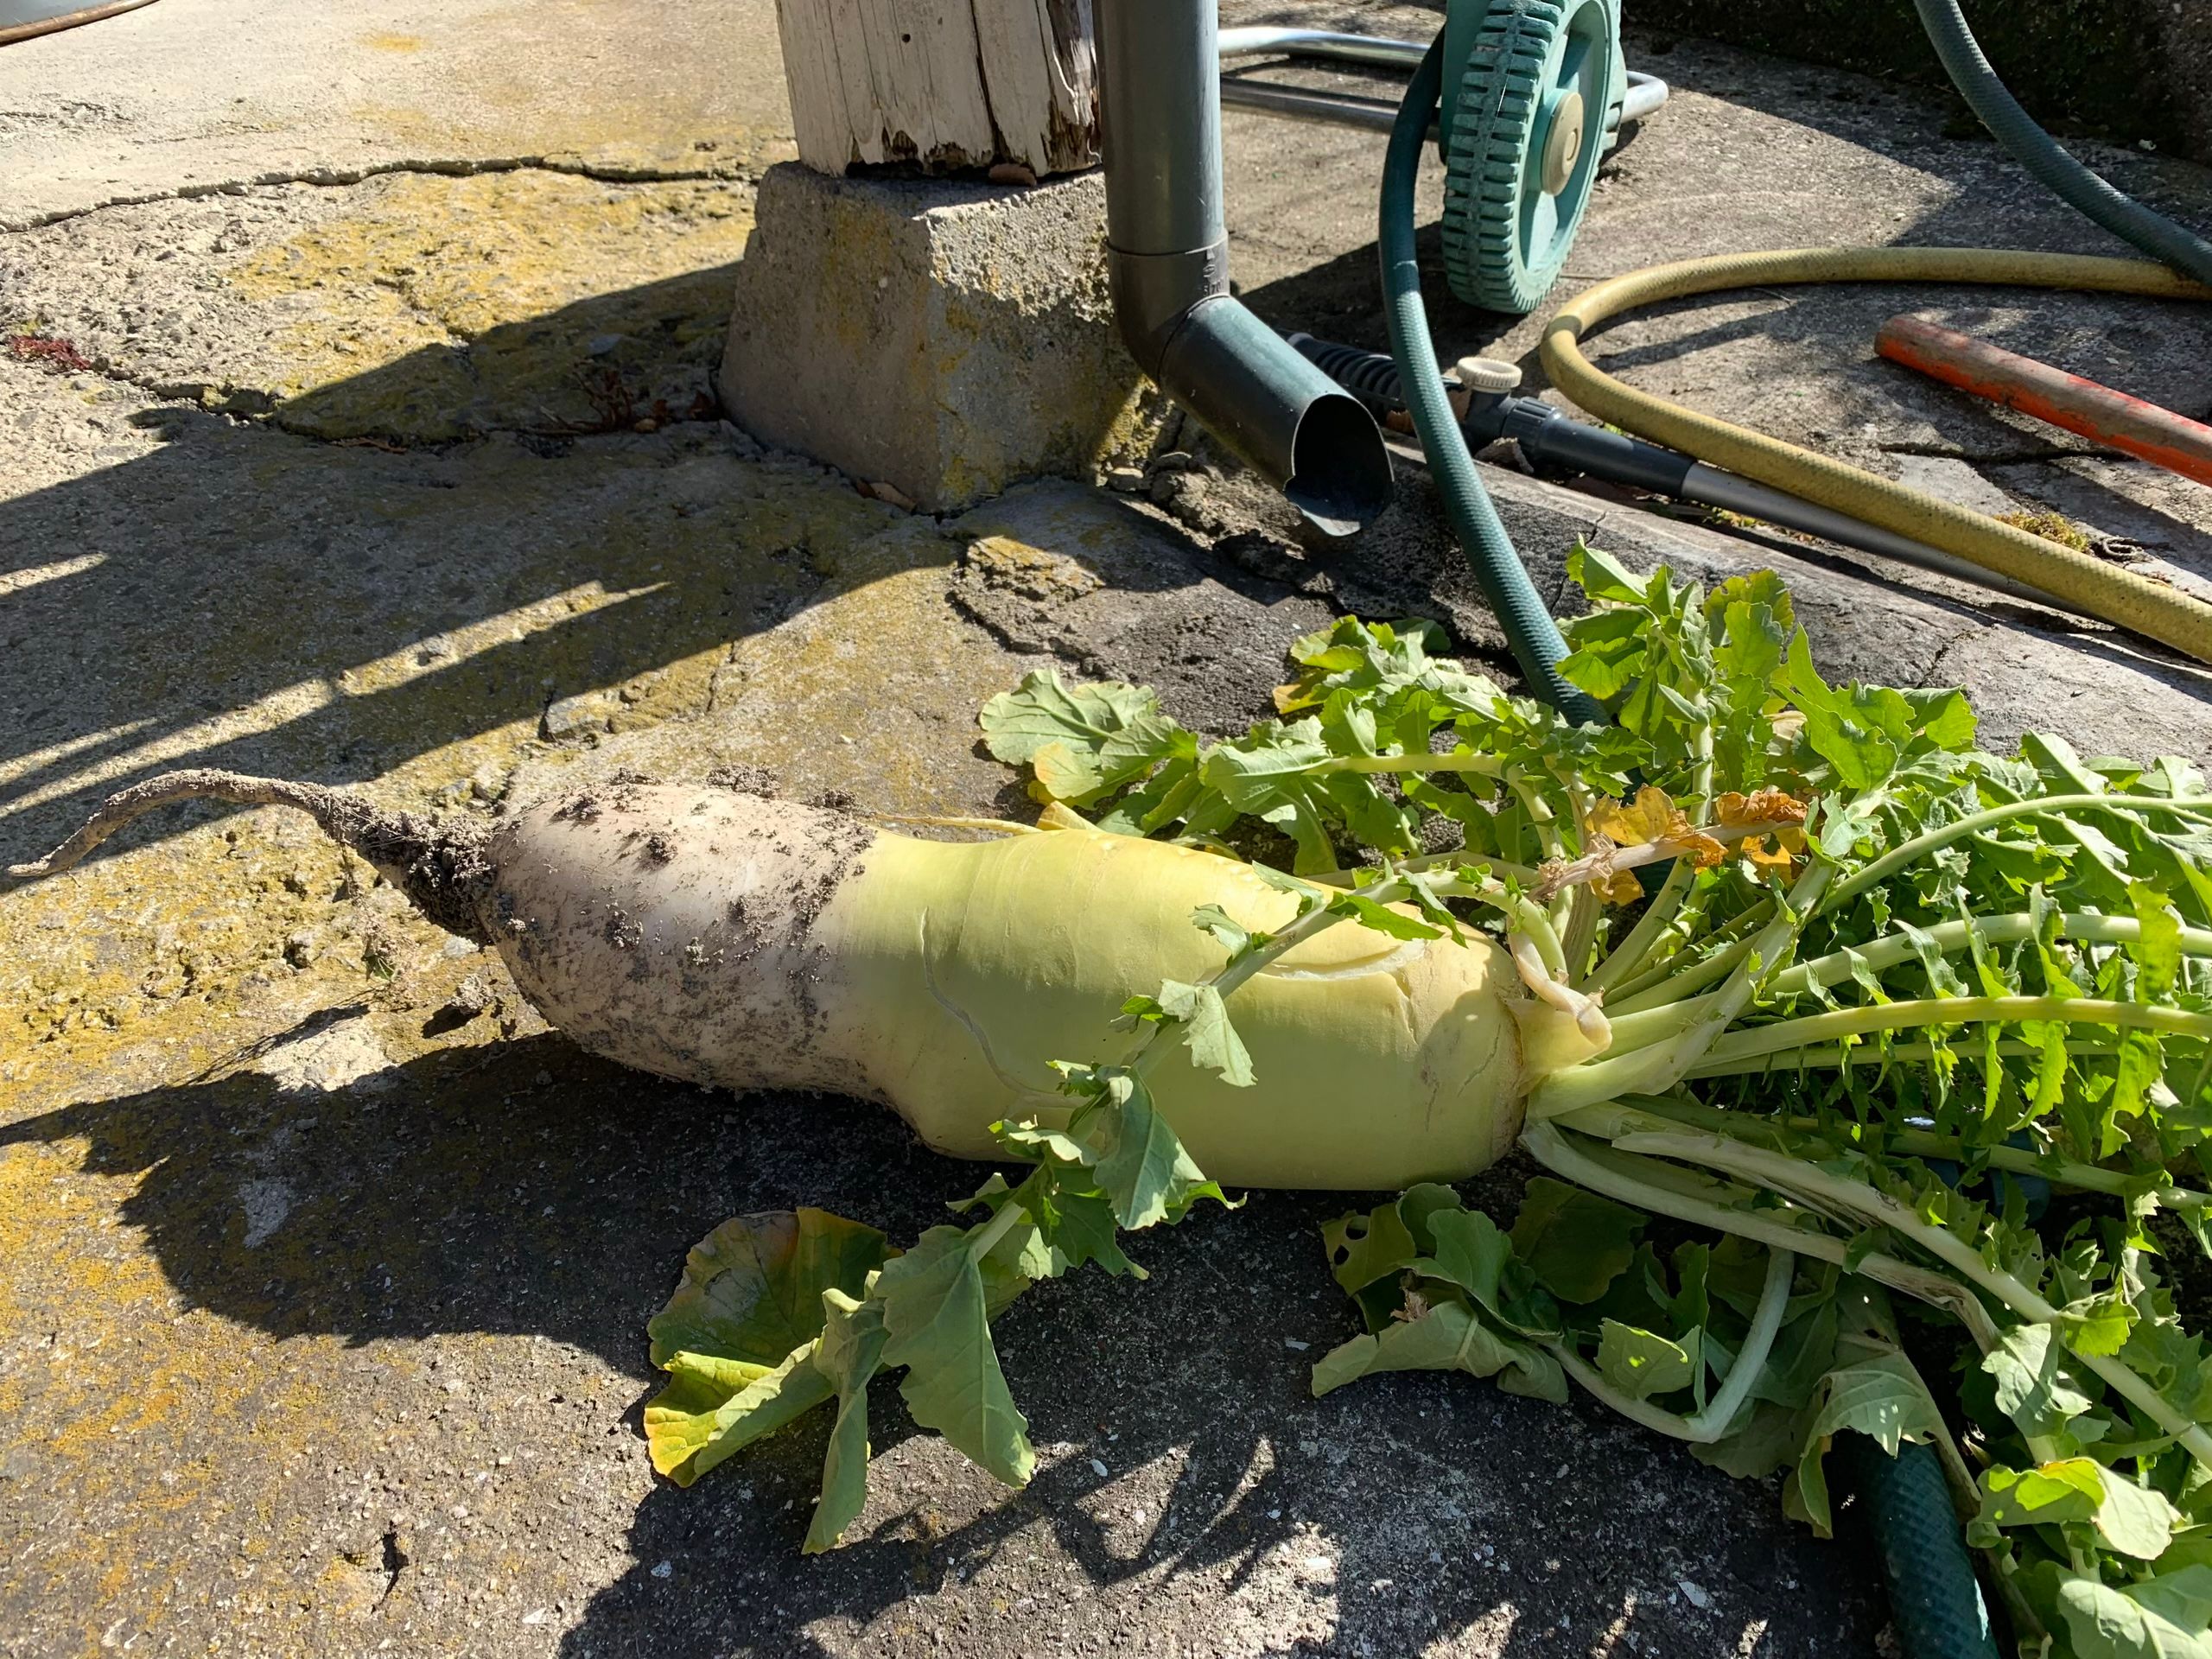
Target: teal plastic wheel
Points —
{"points": [[1524, 128]]}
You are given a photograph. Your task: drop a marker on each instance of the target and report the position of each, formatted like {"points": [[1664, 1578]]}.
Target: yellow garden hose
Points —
{"points": [[2117, 595]]}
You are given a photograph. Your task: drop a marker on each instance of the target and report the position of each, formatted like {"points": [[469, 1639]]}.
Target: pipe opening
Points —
{"points": [[1339, 469]]}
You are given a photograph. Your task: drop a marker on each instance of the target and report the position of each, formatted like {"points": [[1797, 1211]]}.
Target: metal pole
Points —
{"points": [[1167, 265]]}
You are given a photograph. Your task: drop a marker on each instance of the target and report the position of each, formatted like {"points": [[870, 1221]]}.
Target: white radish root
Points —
{"points": [[734, 940]]}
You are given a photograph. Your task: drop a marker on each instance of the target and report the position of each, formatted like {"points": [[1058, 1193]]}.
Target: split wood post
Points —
{"points": [[945, 85]]}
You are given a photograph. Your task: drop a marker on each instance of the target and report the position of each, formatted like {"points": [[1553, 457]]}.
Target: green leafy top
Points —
{"points": [[1851, 993]]}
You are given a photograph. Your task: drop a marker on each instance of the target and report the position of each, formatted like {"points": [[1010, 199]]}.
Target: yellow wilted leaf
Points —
{"points": [[1781, 857], [1652, 816], [1702, 850], [1762, 806], [1620, 888]]}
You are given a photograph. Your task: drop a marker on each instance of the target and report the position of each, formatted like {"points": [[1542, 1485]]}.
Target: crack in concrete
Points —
{"points": [[1935, 664], [251, 406], [341, 177], [1995, 458]]}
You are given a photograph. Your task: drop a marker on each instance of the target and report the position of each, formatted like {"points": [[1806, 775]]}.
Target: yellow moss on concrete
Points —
{"points": [[447, 304]]}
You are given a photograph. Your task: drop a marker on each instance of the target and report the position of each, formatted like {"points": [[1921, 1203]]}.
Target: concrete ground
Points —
{"points": [[383, 454]]}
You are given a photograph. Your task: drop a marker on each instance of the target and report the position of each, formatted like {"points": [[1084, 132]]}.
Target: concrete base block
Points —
{"points": [[941, 337]]}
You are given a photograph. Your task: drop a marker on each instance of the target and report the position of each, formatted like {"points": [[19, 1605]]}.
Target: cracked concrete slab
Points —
{"points": [[415, 306], [317, 88], [324, 1267]]}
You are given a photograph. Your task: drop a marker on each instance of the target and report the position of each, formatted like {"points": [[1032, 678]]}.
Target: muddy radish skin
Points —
{"points": [[731, 939]]}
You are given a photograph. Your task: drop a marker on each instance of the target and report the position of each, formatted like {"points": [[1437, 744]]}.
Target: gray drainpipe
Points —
{"points": [[1167, 261]]}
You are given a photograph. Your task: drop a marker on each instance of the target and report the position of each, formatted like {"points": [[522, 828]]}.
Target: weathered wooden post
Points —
{"points": [[950, 86]]}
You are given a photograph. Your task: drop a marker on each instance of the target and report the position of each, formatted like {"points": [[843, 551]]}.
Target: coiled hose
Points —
{"points": [[1529, 630], [2117, 595], [2120, 596], [2037, 151]]}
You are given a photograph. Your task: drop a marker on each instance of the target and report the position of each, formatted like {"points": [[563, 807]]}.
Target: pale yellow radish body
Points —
{"points": [[731, 940]]}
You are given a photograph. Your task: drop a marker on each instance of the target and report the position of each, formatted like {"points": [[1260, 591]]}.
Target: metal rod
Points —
{"points": [[1321, 43], [1710, 487], [1300, 104], [1645, 92], [1547, 438]]}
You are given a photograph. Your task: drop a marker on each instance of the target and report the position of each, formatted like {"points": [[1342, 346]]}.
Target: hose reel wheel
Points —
{"points": [[1530, 91]]}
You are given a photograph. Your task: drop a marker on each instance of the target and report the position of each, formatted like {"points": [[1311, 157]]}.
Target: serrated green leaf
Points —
{"points": [[2098, 1325], [1467, 1248], [713, 1408], [935, 1325], [1944, 719], [1033, 1141], [2033, 1385], [1043, 711], [1768, 1439], [1639, 1363], [2163, 1617], [1881, 1397], [2059, 764], [1574, 1242], [1605, 578], [1235, 937], [1137, 1158], [1207, 1032], [1843, 730], [1081, 1227], [736, 1336], [1384, 919], [1366, 1248], [846, 1358], [1448, 1338], [1310, 898], [2132, 1520], [752, 1289]]}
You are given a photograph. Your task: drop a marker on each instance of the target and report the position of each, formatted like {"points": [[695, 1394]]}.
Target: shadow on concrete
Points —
{"points": [[331, 609], [468, 1192]]}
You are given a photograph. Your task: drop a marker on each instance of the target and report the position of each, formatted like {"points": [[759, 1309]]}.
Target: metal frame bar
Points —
{"points": [[1645, 92]]}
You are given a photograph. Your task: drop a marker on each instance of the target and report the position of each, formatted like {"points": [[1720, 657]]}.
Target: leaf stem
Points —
{"points": [[1558, 1153], [1618, 1118], [1794, 1177], [1657, 1068], [1657, 917], [1950, 937], [1957, 1010], [986, 1238], [1695, 977], [1487, 766], [1897, 857], [1232, 974], [1845, 1054], [1714, 1422], [1658, 983]]}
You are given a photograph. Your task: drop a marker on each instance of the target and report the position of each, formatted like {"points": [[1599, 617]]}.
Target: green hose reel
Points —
{"points": [[1533, 90]]}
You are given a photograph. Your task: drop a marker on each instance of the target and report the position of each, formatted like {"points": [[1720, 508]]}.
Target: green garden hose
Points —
{"points": [[2035, 149], [1529, 630], [1935, 1601], [2118, 595]]}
